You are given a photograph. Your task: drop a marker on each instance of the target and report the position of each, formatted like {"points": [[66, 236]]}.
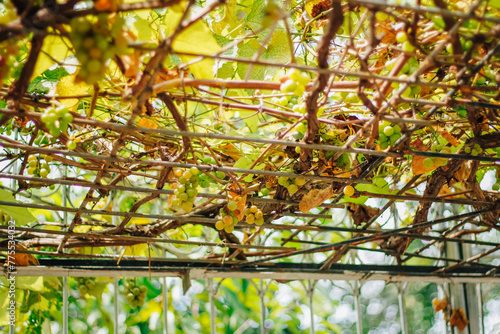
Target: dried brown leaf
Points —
{"points": [[459, 319], [449, 138], [314, 198]]}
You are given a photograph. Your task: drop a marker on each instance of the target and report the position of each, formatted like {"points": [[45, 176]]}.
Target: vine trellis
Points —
{"points": [[165, 103]]}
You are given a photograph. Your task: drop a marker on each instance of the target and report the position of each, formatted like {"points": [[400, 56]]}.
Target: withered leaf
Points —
{"points": [[314, 198]]}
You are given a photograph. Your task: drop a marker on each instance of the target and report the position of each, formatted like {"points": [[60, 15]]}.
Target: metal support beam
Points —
{"points": [[402, 308], [65, 305], [115, 315], [310, 295], [285, 271], [357, 306], [262, 307], [211, 294], [165, 304]]}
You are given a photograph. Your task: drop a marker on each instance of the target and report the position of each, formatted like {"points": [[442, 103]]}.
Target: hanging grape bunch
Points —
{"points": [[388, 134], [229, 216], [254, 215], [135, 294], [476, 150], [186, 191], [85, 284], [431, 162], [57, 120], [96, 41], [292, 185], [293, 85], [39, 166]]}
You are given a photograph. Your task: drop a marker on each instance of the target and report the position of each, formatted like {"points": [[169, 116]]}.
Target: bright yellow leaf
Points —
{"points": [[68, 86], [55, 48], [195, 39]]}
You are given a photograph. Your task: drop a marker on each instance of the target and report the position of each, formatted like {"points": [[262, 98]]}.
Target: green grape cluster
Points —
{"points": [[295, 82], [388, 134], [229, 216], [402, 38], [187, 189], [476, 150], [206, 180], [37, 166], [85, 284], [410, 66], [410, 91], [292, 185], [4, 217], [135, 294], [96, 42], [56, 119], [430, 162], [254, 215], [301, 108], [281, 100]]}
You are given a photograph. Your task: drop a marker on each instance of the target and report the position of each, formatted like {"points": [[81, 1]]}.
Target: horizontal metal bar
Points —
{"points": [[283, 271]]}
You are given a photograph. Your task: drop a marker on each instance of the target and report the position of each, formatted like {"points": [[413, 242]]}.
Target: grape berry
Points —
{"points": [[135, 294]]}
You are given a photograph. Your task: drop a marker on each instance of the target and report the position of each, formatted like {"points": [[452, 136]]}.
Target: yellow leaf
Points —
{"points": [[68, 86], [55, 48], [147, 123], [140, 221], [136, 250], [34, 283], [314, 198], [231, 150], [196, 39], [464, 172]]}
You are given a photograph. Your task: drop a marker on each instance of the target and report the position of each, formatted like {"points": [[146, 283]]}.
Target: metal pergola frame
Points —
{"points": [[457, 281]]}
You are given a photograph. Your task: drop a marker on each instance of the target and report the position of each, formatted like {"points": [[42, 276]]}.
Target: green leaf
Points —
{"points": [[4, 303], [226, 71], [248, 50], [47, 80], [34, 283], [254, 18], [20, 215], [221, 40], [253, 121], [246, 163]]}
